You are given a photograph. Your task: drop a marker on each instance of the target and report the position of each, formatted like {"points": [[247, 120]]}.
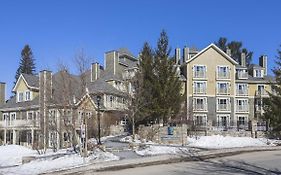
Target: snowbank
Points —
{"points": [[157, 150], [45, 164], [129, 139], [12, 154], [218, 141]]}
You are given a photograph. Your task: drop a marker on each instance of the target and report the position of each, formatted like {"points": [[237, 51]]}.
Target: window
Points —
{"points": [[200, 104], [66, 137], [20, 96], [223, 121], [223, 104], [199, 87], [199, 71], [27, 96], [223, 88], [29, 115], [242, 120], [13, 116], [200, 119], [261, 90], [223, 72], [242, 105], [242, 89], [258, 73]]}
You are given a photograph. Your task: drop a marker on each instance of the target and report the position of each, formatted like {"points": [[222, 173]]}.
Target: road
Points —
{"points": [[248, 163]]}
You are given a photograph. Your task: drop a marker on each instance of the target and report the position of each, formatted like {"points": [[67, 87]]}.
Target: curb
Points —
{"points": [[157, 160]]}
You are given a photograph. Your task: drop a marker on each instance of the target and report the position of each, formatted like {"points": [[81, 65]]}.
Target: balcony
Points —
{"points": [[223, 107], [241, 92], [261, 93], [223, 75], [200, 107], [18, 123], [242, 108], [242, 75], [199, 74], [223, 91], [200, 91]]}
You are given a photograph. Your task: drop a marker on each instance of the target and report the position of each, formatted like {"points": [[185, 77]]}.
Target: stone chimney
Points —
{"points": [[228, 51], [2, 92], [243, 59], [263, 63], [95, 71], [45, 96], [177, 55], [185, 54], [112, 61]]}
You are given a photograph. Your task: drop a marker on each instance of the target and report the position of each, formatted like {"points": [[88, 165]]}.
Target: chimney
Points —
{"points": [[243, 59], [112, 61], [95, 71], [228, 51], [263, 63], [185, 54], [2, 92], [45, 96], [177, 55]]}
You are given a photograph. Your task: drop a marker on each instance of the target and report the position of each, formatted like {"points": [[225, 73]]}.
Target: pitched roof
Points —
{"points": [[32, 80], [217, 49], [12, 103]]}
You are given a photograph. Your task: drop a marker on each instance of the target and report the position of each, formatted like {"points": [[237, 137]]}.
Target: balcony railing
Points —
{"points": [[18, 123], [200, 90], [241, 92], [242, 75], [199, 74], [223, 107], [200, 107], [223, 75], [242, 108], [261, 93], [223, 91]]}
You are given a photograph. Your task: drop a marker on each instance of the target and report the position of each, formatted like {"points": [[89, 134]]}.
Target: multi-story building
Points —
{"points": [[221, 93], [48, 108]]}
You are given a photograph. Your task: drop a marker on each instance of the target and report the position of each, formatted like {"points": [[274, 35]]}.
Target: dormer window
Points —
{"points": [[27, 96], [20, 96], [258, 73]]}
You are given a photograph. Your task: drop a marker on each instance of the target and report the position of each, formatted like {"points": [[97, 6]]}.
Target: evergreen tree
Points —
{"points": [[166, 84], [236, 49], [272, 104], [27, 64]]}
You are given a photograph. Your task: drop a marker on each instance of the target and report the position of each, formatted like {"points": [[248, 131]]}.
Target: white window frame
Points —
{"points": [[204, 71], [13, 116], [227, 72], [245, 104], [19, 95], [27, 114], [205, 103], [195, 91], [245, 89], [228, 104], [30, 95], [219, 119], [246, 119], [204, 119], [227, 88]]}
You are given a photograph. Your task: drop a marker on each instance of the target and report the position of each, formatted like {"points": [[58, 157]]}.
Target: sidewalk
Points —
{"points": [[161, 159]]}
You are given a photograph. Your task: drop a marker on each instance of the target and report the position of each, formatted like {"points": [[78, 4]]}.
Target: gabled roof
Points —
{"points": [[217, 49], [12, 103], [31, 81]]}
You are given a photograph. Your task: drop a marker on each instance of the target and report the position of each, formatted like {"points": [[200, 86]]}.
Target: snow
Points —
{"points": [[129, 139], [158, 150], [12, 155], [218, 141]]}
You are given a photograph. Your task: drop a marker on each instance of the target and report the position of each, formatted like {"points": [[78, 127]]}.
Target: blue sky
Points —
{"points": [[57, 30]]}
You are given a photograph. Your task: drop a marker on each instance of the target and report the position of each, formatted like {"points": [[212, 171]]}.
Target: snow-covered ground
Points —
{"points": [[129, 139], [218, 141], [12, 155], [209, 142]]}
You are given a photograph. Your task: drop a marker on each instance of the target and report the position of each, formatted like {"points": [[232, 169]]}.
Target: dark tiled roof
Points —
{"points": [[254, 66], [11, 103], [101, 87], [32, 80]]}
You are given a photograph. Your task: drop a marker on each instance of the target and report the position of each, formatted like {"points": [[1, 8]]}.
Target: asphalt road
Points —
{"points": [[256, 163]]}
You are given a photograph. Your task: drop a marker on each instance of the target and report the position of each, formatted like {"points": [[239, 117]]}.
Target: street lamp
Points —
{"points": [[98, 102]]}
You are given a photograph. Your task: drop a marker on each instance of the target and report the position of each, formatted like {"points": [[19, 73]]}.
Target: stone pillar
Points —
{"points": [[32, 137], [5, 136], [14, 137]]}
